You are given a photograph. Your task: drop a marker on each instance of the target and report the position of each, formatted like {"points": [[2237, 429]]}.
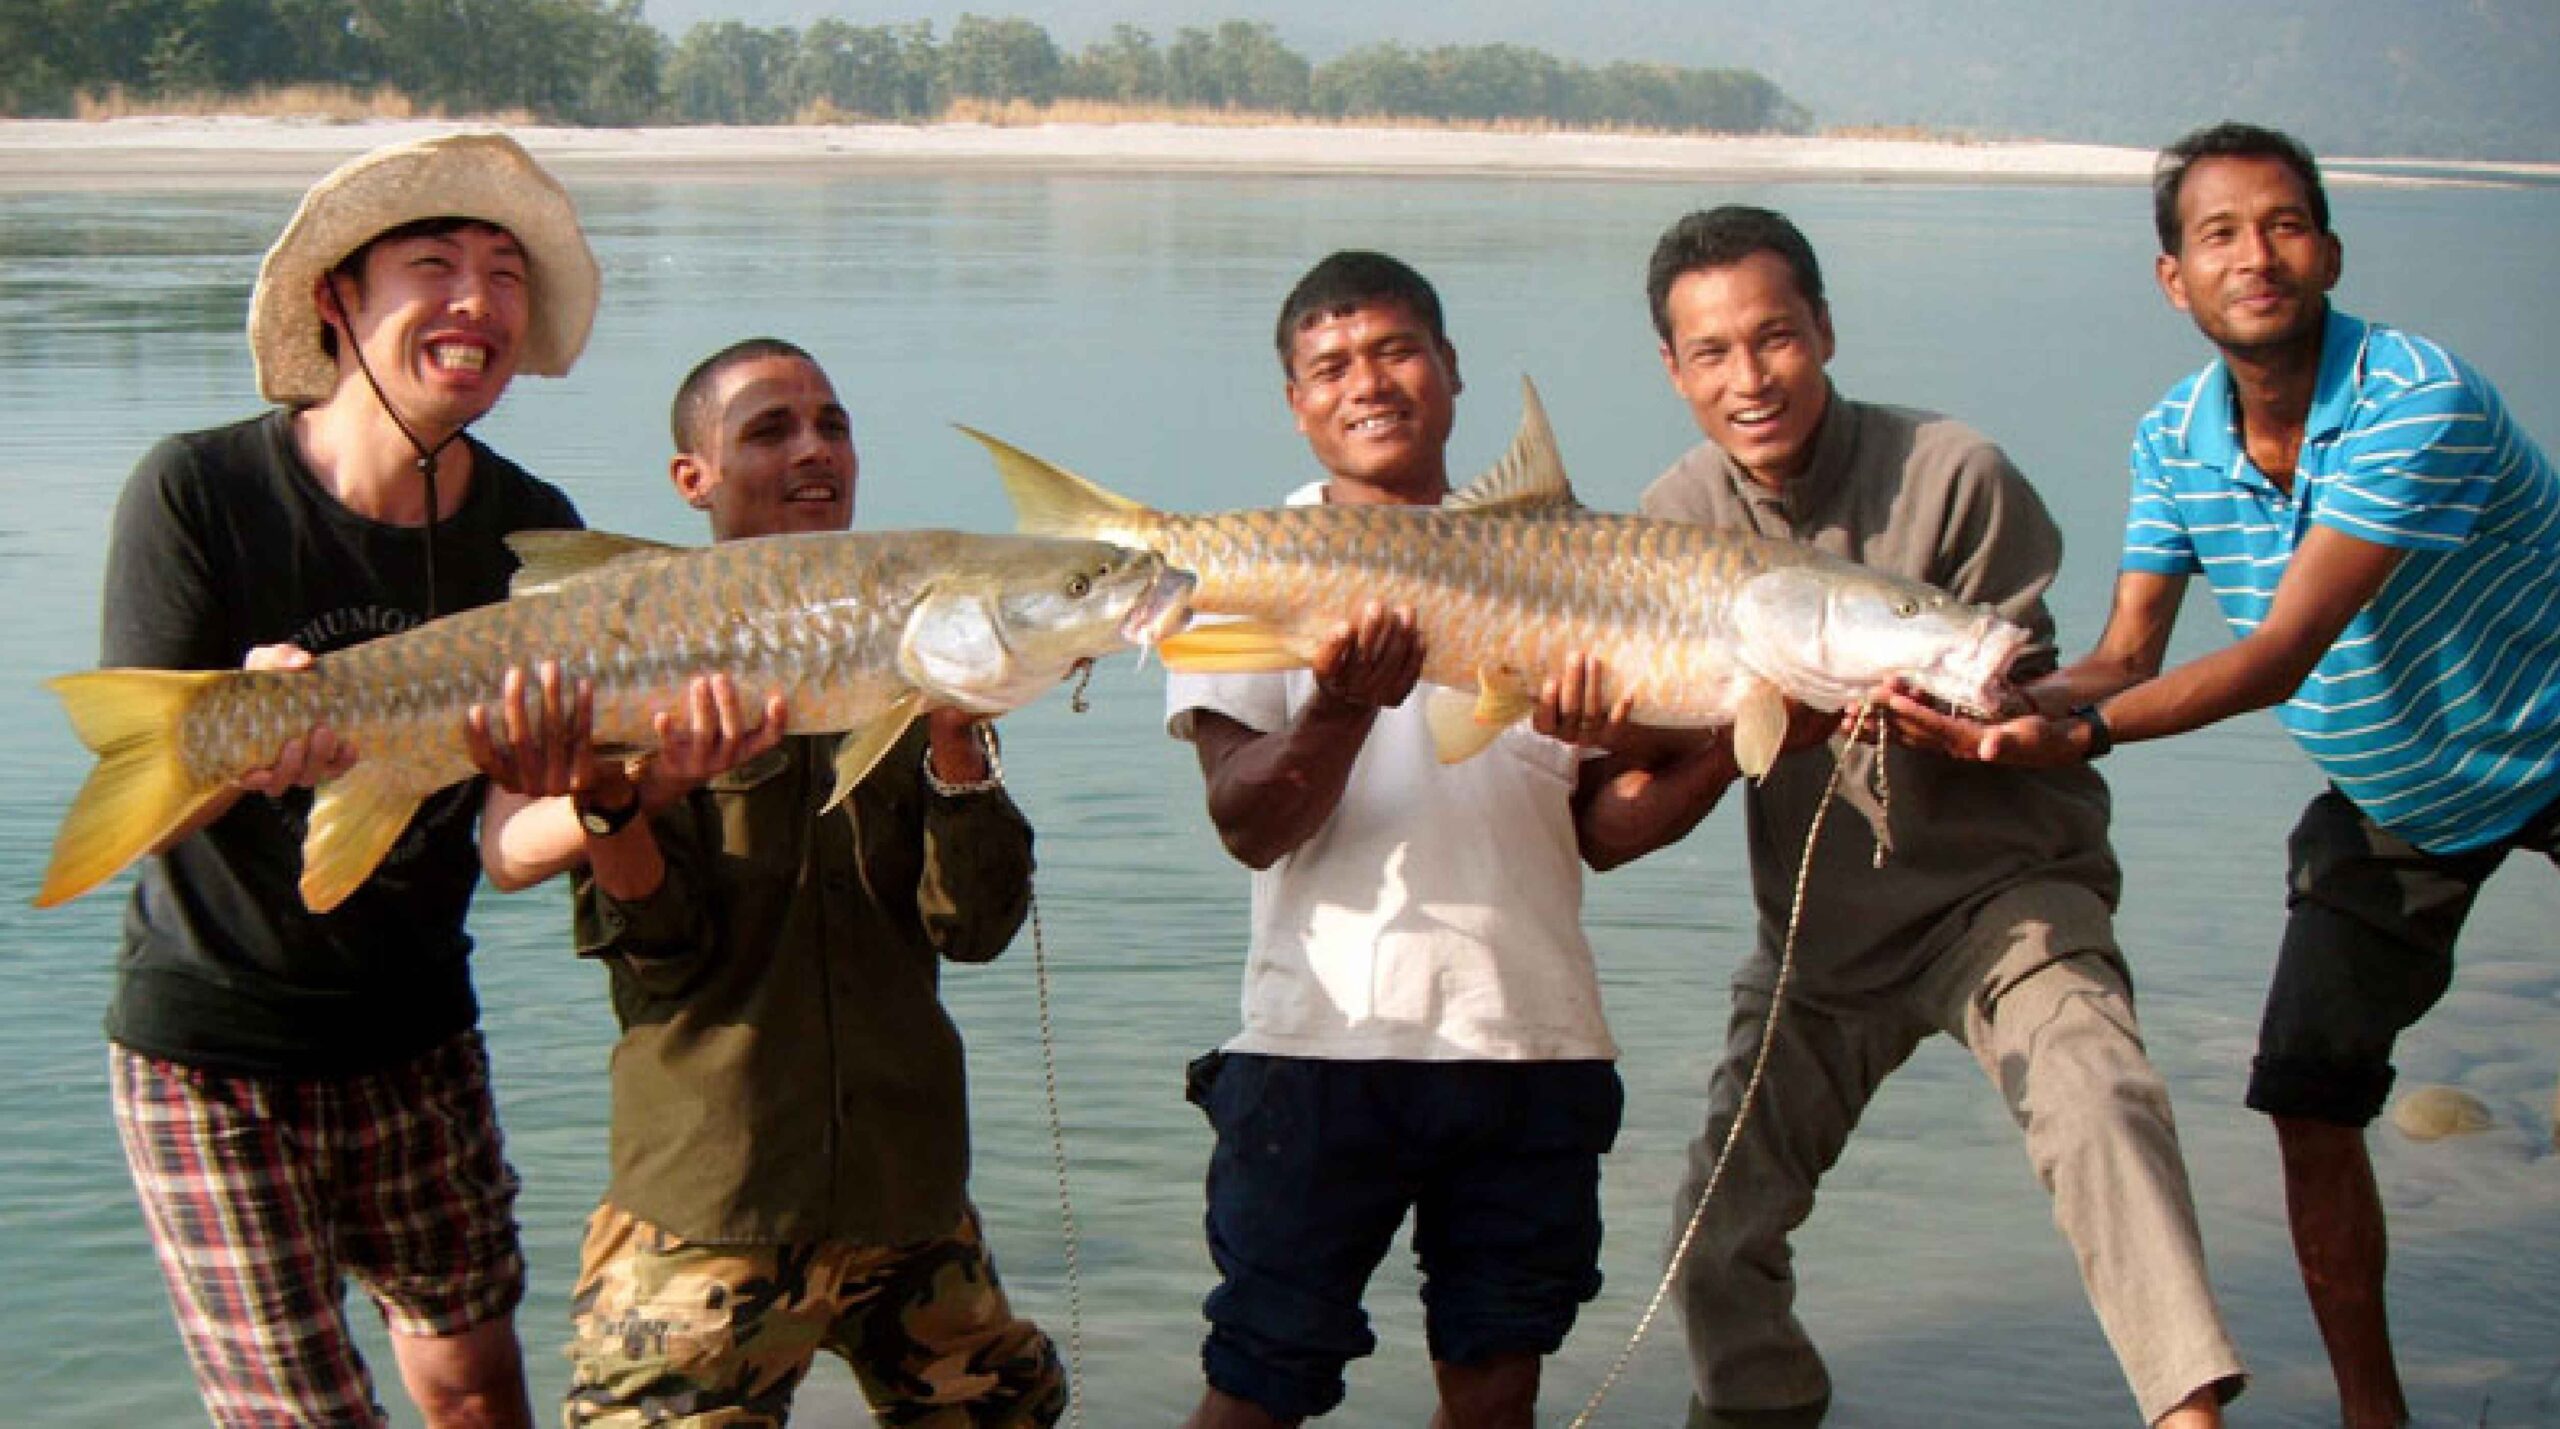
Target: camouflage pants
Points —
{"points": [[672, 1332]]}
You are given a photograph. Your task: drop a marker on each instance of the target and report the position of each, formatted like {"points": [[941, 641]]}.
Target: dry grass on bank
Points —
{"points": [[342, 104], [1023, 114], [325, 103]]}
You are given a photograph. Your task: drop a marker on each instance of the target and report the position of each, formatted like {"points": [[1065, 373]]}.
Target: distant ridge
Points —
{"points": [[2469, 80]]}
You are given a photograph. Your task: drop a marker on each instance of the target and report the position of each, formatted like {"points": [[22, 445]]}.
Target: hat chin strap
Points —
{"points": [[426, 455]]}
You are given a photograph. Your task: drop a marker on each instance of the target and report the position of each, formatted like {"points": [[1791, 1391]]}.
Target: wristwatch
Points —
{"points": [[602, 822], [992, 779], [2101, 738]]}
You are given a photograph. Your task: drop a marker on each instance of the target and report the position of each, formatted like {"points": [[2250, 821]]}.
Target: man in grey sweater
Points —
{"points": [[1995, 925]]}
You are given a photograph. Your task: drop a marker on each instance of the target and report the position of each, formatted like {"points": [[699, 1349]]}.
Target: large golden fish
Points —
{"points": [[858, 631], [1510, 576]]}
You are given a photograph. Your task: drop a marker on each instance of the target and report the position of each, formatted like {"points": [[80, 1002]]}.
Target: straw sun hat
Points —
{"points": [[488, 177]]}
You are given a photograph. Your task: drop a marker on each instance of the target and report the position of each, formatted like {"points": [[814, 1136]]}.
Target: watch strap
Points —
{"points": [[2101, 738]]}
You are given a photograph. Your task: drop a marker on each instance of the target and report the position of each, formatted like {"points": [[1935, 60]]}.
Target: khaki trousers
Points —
{"points": [[2036, 988]]}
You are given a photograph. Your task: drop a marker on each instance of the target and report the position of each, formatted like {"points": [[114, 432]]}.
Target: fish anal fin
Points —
{"points": [[1464, 725], [140, 789], [550, 559], [1502, 696], [1530, 476], [862, 748], [355, 819], [1235, 647], [1761, 729]]}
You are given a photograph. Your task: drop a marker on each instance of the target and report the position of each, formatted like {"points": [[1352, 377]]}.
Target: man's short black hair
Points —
{"points": [[1719, 238], [693, 395], [1352, 279], [2229, 140]]}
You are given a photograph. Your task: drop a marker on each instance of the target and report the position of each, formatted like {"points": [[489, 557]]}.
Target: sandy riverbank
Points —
{"points": [[154, 152], [221, 152]]}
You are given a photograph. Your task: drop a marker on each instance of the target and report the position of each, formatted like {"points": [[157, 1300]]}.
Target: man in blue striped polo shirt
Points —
{"points": [[2385, 545]]}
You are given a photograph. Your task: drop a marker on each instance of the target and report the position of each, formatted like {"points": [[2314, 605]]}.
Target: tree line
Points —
{"points": [[598, 62]]}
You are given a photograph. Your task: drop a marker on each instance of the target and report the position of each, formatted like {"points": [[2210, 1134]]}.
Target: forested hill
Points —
{"points": [[602, 62], [2439, 78]]}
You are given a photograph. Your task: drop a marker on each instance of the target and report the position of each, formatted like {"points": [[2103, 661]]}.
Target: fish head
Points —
{"points": [[1829, 634], [1006, 617]]}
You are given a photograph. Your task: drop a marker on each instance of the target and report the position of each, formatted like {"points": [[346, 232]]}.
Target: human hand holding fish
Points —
{"points": [[537, 738], [306, 759], [2031, 740], [1372, 662], [1574, 706]]}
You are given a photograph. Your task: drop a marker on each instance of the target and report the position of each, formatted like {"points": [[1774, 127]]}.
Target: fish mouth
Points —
{"points": [[1974, 680], [1163, 610]]}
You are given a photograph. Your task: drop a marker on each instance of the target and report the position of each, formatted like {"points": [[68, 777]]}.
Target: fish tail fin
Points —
{"points": [[355, 819], [1049, 500], [1235, 647], [140, 788]]}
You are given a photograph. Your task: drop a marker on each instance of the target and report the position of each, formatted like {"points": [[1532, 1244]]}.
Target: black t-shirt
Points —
{"points": [[224, 540]]}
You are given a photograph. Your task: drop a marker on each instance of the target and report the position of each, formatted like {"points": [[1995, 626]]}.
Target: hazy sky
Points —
{"points": [[2449, 77]]}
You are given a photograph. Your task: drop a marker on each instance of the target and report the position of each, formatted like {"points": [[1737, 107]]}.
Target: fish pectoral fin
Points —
{"points": [[860, 751], [1761, 729], [550, 559], [1235, 647], [140, 789], [355, 819]]}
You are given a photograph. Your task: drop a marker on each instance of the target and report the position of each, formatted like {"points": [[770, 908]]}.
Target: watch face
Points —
{"points": [[601, 822]]}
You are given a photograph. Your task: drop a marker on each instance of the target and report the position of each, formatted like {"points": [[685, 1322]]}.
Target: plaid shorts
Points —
{"points": [[264, 1193], [672, 1331]]}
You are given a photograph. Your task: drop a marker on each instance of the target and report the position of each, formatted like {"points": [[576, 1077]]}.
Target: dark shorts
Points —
{"points": [[1316, 1166], [2368, 948]]}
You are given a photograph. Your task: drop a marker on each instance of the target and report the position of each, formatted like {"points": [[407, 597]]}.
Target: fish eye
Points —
{"points": [[1079, 585], [1906, 607]]}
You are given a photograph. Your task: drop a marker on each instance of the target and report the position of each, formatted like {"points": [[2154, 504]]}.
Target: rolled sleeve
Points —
{"points": [[976, 885], [661, 938]]}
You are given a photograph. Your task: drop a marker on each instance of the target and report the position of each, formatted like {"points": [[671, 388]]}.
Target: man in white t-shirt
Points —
{"points": [[1422, 1023]]}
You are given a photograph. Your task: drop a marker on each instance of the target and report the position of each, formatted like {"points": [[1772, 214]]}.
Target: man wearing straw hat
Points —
{"points": [[305, 1097]]}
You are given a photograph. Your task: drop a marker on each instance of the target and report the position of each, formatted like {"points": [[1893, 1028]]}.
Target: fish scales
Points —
{"points": [[1519, 592], [638, 634]]}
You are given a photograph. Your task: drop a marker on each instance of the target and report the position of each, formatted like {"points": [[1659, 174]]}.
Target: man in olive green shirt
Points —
{"points": [[790, 1115]]}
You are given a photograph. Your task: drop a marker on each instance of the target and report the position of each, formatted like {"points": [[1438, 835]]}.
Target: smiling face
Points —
{"points": [[1746, 352], [1376, 394], [440, 319], [2253, 267], [774, 452]]}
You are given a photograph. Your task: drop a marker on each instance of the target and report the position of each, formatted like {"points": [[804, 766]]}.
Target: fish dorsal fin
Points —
{"points": [[355, 819], [1530, 476], [860, 751], [1049, 500], [551, 559]]}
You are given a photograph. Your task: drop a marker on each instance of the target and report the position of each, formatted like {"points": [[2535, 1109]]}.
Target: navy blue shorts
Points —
{"points": [[2368, 948], [1318, 1163]]}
